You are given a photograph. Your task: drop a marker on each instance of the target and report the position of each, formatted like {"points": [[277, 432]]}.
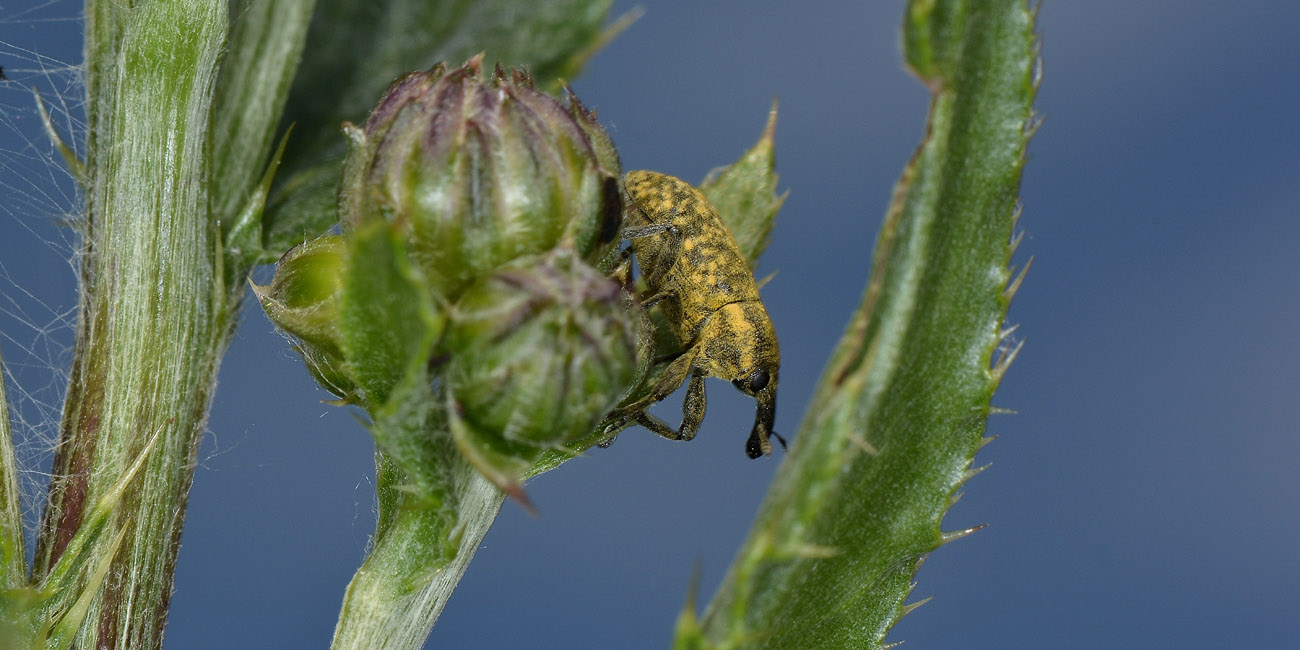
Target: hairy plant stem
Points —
{"points": [[417, 558], [12, 555], [154, 316]]}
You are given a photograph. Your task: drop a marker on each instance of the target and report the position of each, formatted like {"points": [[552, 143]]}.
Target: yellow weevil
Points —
{"points": [[696, 273]]}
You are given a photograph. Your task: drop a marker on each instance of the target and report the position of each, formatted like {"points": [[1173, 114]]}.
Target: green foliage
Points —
{"points": [[357, 49], [389, 325], [744, 194], [262, 54], [900, 410], [183, 110], [387, 319], [409, 262], [541, 351], [13, 563], [422, 546]]}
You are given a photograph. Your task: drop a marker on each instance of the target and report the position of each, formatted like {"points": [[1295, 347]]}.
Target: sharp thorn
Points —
{"points": [[515, 490], [1032, 124], [972, 472], [1007, 331], [811, 551], [946, 538], [1015, 241], [70, 158], [693, 588], [1000, 368], [910, 607], [861, 443], [1014, 286]]}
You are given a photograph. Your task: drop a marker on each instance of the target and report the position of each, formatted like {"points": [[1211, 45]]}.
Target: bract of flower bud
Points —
{"points": [[541, 351], [331, 372], [303, 300], [480, 172], [606, 153]]}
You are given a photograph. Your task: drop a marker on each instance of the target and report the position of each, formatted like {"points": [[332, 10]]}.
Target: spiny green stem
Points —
{"points": [[900, 410]]}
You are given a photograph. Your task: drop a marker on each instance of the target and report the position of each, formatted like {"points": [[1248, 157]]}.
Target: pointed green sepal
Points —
{"points": [[744, 194]]}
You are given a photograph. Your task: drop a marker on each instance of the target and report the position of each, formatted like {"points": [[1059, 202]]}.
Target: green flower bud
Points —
{"points": [[482, 172], [303, 300], [540, 352]]}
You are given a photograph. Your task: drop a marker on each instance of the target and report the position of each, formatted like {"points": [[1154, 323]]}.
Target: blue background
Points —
{"points": [[1145, 495]]}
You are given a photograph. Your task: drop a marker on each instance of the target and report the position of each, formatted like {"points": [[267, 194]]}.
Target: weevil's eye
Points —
{"points": [[755, 382]]}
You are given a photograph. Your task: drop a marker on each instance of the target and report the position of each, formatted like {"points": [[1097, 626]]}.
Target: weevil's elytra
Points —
{"points": [[695, 271]]}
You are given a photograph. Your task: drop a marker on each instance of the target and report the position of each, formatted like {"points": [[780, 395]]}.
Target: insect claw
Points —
{"points": [[780, 440]]}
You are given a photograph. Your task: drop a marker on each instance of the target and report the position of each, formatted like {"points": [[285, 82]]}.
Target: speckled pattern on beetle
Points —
{"points": [[695, 272]]}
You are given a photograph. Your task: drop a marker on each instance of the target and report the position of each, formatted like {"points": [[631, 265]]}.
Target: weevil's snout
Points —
{"points": [[760, 438]]}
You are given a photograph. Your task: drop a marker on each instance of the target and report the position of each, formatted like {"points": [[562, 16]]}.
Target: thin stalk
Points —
{"points": [[417, 559]]}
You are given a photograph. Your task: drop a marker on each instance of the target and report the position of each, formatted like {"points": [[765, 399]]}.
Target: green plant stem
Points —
{"points": [[153, 315], [418, 556], [900, 410], [13, 561]]}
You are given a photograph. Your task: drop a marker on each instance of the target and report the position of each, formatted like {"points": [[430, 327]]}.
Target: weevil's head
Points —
{"points": [[739, 345]]}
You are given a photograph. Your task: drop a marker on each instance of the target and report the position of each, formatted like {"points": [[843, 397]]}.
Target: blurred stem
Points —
{"points": [[153, 315]]}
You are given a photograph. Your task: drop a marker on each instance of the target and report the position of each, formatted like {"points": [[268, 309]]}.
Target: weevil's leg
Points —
{"points": [[657, 261], [623, 417], [610, 434], [657, 298], [622, 272], [692, 407], [637, 232], [692, 414], [672, 356], [658, 427], [671, 379]]}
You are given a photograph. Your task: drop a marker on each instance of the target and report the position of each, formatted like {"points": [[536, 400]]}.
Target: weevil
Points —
{"points": [[695, 272]]}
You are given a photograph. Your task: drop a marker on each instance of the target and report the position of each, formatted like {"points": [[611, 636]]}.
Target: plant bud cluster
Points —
{"points": [[500, 204]]}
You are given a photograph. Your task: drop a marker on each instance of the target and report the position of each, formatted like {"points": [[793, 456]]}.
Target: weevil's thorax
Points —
{"points": [[738, 341]]}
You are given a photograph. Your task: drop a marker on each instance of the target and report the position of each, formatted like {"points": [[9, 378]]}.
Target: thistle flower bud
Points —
{"points": [[480, 173], [303, 300], [540, 351]]}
